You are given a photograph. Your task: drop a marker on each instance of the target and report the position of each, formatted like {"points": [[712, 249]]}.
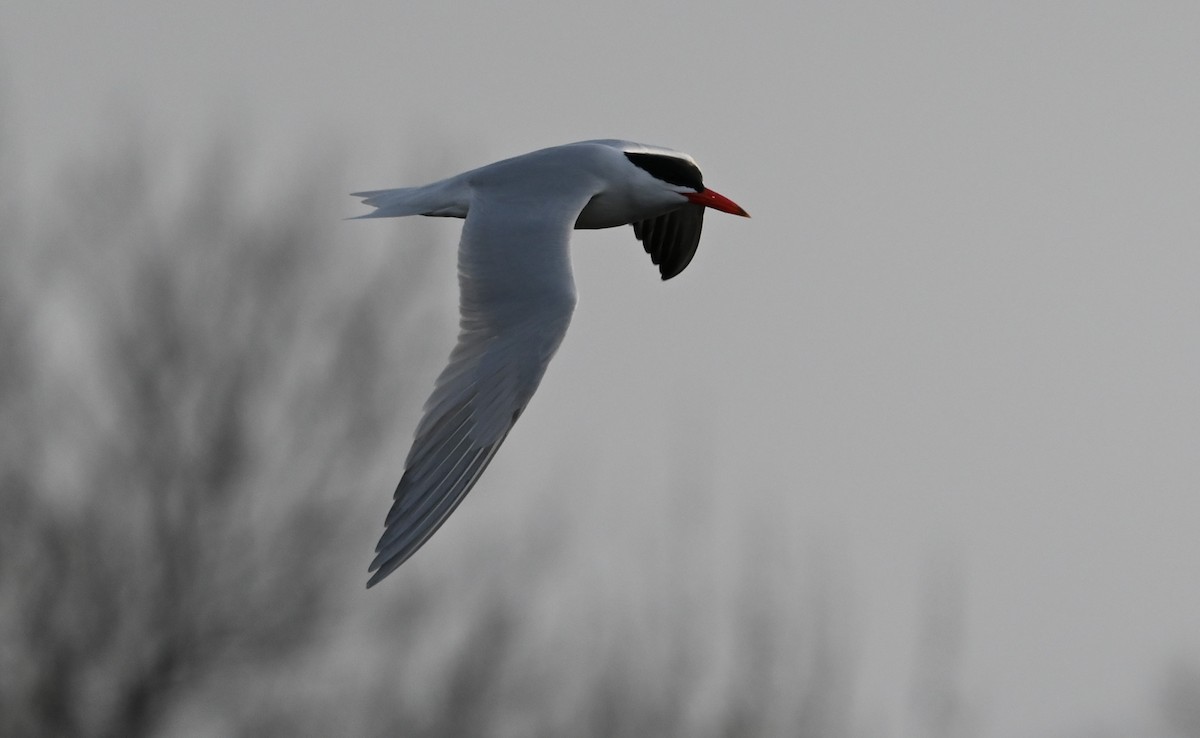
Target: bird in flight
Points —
{"points": [[517, 295]]}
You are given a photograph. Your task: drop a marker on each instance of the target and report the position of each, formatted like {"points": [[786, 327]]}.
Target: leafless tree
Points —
{"points": [[940, 709], [1181, 699], [169, 514]]}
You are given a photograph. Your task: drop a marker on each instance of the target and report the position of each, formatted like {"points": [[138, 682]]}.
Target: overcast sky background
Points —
{"points": [[962, 323]]}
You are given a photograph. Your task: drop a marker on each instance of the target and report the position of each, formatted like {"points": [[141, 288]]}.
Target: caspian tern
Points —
{"points": [[517, 296]]}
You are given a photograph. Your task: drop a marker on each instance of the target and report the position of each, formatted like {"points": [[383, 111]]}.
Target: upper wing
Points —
{"points": [[517, 296], [671, 239]]}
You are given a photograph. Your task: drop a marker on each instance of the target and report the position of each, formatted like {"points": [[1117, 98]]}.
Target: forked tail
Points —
{"points": [[448, 198]]}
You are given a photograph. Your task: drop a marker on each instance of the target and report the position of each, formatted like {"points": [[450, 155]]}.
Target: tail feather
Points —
{"points": [[447, 198], [390, 203]]}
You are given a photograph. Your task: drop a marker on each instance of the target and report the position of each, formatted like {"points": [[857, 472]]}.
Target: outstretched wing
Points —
{"points": [[517, 296], [671, 239]]}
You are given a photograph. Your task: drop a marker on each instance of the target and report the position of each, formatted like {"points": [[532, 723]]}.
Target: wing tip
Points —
{"points": [[672, 238], [380, 568]]}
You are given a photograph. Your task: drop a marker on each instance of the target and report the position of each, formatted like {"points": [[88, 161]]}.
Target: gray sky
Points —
{"points": [[962, 321]]}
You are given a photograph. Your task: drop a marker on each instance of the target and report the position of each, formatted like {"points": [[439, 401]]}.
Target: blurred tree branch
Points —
{"points": [[1180, 699], [232, 373]]}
